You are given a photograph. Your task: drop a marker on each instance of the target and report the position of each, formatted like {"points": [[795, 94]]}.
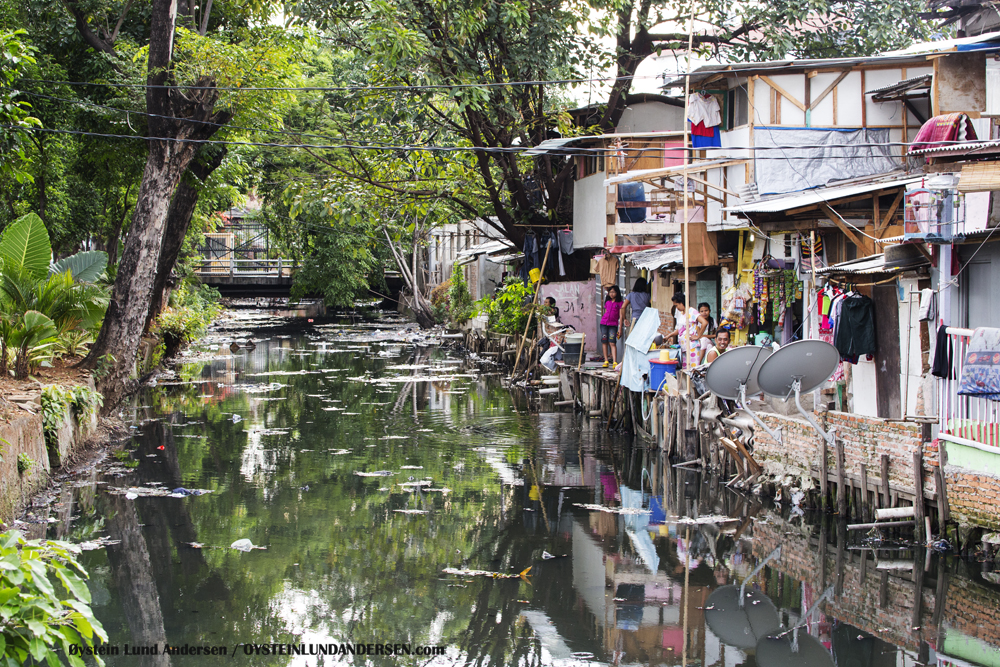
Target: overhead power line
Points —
{"points": [[576, 151], [352, 89]]}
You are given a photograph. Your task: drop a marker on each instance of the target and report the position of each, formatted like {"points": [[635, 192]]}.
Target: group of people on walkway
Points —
{"points": [[694, 328]]}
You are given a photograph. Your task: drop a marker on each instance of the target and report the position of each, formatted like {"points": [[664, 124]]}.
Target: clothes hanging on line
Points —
{"points": [[928, 305], [607, 269], [704, 109], [710, 139], [942, 354], [855, 326], [981, 367]]}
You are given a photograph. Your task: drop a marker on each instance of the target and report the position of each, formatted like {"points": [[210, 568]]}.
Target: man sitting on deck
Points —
{"points": [[721, 345]]}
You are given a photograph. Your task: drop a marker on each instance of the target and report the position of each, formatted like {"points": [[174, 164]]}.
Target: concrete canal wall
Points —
{"points": [[28, 459]]}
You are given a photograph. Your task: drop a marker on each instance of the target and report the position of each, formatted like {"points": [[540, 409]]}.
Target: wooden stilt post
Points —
{"points": [[886, 501], [824, 477], [864, 492], [841, 482], [918, 493]]}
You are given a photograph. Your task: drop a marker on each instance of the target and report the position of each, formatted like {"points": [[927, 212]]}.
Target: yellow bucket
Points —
{"points": [[535, 274], [664, 355]]}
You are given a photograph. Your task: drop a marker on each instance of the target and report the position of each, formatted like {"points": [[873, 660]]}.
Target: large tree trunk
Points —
{"points": [[170, 152], [179, 216]]}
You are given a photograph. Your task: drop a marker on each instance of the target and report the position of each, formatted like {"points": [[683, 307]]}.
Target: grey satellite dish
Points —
{"points": [[794, 649], [740, 626], [736, 366], [802, 651], [734, 375], [799, 367], [740, 618]]}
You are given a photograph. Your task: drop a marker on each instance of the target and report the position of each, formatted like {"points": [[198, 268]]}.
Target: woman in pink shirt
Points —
{"points": [[611, 328]]}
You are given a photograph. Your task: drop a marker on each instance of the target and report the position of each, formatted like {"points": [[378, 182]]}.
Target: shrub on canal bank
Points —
{"points": [[192, 308], [36, 618], [508, 312]]}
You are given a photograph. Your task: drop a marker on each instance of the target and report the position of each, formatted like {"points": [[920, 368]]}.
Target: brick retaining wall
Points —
{"points": [[865, 439]]}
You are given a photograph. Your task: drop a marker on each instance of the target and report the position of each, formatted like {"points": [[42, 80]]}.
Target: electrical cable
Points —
{"points": [[505, 84], [528, 150]]}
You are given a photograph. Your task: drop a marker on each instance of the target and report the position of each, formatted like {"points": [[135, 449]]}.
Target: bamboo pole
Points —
{"points": [[685, 241], [538, 287]]}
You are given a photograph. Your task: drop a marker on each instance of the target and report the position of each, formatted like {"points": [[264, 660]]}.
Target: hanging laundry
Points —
{"points": [[607, 269], [942, 354], [928, 305], [981, 367], [855, 333], [704, 109], [712, 138]]}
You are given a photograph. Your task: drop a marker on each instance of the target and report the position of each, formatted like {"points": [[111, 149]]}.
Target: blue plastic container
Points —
{"points": [[657, 371], [632, 192]]}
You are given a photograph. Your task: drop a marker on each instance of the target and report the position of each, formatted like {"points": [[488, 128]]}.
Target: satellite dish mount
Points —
{"points": [[741, 401]]}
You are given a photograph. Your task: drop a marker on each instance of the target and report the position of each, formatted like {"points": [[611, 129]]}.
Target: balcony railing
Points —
{"points": [[967, 418]]}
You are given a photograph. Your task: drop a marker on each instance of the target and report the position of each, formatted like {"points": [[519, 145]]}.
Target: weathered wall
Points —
{"points": [[22, 435], [865, 440], [577, 303], [972, 477]]}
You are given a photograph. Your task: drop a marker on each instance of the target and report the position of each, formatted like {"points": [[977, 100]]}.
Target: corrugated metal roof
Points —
{"points": [[656, 258], [819, 196], [945, 45], [906, 85], [485, 247], [871, 265], [503, 259], [960, 148]]}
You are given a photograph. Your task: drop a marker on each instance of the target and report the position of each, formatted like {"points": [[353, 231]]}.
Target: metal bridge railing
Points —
{"points": [[222, 267]]}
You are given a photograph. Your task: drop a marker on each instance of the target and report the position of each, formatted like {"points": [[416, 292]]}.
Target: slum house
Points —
{"points": [[647, 120], [834, 214], [804, 186]]}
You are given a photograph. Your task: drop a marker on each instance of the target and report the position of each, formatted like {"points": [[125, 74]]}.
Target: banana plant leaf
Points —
{"points": [[25, 245], [85, 267]]}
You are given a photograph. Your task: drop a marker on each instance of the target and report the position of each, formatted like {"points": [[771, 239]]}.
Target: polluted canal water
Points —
{"points": [[336, 491]]}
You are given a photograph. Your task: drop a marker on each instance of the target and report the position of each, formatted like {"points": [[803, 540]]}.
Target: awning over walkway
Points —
{"points": [[819, 196], [485, 248], [874, 265], [656, 258]]}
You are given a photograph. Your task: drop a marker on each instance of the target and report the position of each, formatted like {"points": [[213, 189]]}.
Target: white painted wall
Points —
{"points": [[864, 398], [590, 211], [909, 345]]}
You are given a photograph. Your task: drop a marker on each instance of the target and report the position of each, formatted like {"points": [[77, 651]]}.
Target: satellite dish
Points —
{"points": [[793, 648], [811, 362], [740, 626], [739, 617], [783, 650], [734, 375], [736, 366], [800, 366]]}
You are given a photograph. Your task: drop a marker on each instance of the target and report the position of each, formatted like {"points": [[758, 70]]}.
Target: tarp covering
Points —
{"points": [[635, 364], [826, 156]]}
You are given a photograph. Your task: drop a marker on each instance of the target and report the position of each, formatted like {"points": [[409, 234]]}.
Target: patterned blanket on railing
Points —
{"points": [[981, 366]]}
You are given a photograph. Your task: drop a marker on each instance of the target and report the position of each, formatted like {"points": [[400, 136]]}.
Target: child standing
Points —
{"points": [[611, 328]]}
